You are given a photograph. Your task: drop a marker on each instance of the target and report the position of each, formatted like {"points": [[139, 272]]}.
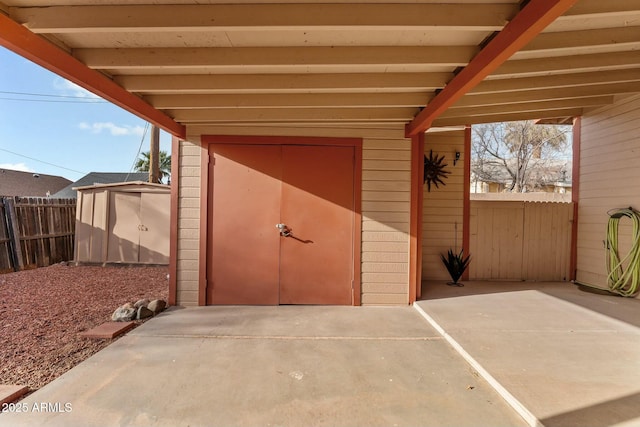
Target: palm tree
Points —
{"points": [[142, 165]]}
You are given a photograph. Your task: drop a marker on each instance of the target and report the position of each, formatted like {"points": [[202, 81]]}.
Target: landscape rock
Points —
{"points": [[143, 313], [141, 303], [123, 314], [157, 305], [127, 305]]}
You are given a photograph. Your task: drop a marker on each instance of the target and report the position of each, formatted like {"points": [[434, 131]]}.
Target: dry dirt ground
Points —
{"points": [[43, 310]]}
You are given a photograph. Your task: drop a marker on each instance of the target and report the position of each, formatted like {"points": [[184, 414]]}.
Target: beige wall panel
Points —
{"points": [[385, 186], [384, 298], [386, 183], [385, 217], [385, 257], [190, 213], [189, 244], [190, 181], [379, 206], [190, 192], [395, 196], [185, 203], [385, 226], [188, 223], [378, 246], [190, 171], [387, 175], [187, 298], [387, 155], [609, 177], [442, 225]]}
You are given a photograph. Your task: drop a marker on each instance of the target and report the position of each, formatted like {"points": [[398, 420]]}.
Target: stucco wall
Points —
{"points": [[385, 211], [609, 178], [442, 214]]}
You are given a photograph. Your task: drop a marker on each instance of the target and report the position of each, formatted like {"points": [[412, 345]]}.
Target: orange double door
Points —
{"points": [[281, 224]]}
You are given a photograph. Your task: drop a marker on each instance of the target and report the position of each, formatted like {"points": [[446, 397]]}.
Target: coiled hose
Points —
{"points": [[623, 281]]}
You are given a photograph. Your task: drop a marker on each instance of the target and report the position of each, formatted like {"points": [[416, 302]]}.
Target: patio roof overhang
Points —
{"points": [[388, 64]]}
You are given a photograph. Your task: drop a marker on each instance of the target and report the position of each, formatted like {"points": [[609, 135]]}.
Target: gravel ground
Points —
{"points": [[43, 310]]}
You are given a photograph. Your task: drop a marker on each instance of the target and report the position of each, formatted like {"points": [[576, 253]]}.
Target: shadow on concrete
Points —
{"points": [[623, 309], [611, 412]]}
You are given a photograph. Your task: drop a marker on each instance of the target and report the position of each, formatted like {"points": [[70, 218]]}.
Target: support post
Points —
{"points": [[154, 155]]}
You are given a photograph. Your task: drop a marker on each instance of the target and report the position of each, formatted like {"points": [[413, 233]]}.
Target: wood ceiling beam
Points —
{"points": [[228, 17], [20, 40], [572, 40], [568, 64], [339, 100], [555, 104], [289, 83], [526, 25], [534, 95], [507, 117], [168, 58], [600, 7], [559, 81], [292, 114]]}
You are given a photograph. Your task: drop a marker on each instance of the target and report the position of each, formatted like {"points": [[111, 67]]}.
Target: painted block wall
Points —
{"points": [[609, 179]]}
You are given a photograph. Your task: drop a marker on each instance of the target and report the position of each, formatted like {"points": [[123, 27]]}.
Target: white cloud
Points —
{"points": [[114, 129], [73, 89], [16, 167]]}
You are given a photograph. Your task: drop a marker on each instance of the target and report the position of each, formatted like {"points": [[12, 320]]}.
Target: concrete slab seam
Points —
{"points": [[288, 338], [529, 418]]}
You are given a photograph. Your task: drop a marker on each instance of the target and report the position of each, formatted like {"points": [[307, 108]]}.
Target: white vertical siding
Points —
{"points": [[386, 196], [188, 223], [442, 225], [609, 178]]}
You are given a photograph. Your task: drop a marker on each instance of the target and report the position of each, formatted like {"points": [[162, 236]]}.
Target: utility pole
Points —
{"points": [[154, 156]]}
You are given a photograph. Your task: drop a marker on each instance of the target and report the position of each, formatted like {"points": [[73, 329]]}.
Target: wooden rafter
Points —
{"points": [[23, 42], [535, 16], [114, 18]]}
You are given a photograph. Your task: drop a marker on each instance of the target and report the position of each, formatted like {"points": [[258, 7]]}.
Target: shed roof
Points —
{"points": [[93, 178], [194, 67], [124, 185], [19, 183]]}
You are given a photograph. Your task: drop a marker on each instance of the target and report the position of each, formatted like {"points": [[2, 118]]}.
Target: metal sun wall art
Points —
{"points": [[434, 171]]}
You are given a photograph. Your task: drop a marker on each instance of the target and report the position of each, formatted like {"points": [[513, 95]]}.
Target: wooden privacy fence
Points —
{"points": [[518, 240], [35, 232]]}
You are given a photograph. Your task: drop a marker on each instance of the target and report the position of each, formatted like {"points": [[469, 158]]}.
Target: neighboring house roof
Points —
{"points": [[29, 184], [93, 178]]}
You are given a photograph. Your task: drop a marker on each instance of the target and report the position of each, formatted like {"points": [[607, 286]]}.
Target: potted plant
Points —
{"points": [[456, 265]]}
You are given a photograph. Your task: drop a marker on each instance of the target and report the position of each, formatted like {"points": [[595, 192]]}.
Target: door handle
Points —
{"points": [[284, 230]]}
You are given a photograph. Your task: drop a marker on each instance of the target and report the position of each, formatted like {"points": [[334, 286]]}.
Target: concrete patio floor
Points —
{"points": [[565, 357], [536, 353], [272, 366]]}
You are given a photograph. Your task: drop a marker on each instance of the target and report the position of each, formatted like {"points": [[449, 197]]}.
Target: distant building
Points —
{"points": [[30, 184], [94, 178], [550, 176]]}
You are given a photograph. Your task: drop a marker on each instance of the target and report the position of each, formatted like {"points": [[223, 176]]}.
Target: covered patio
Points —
{"points": [[391, 80]]}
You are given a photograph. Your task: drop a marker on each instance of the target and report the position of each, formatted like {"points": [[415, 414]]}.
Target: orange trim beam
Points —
{"points": [[20, 40], [523, 28]]}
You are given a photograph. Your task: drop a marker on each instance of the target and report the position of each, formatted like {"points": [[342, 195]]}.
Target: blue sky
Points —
{"points": [[46, 120]]}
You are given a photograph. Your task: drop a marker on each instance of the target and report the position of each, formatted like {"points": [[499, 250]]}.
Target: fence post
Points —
{"points": [[12, 225]]}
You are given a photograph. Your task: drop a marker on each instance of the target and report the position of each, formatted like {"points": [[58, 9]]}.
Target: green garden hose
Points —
{"points": [[623, 274]]}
